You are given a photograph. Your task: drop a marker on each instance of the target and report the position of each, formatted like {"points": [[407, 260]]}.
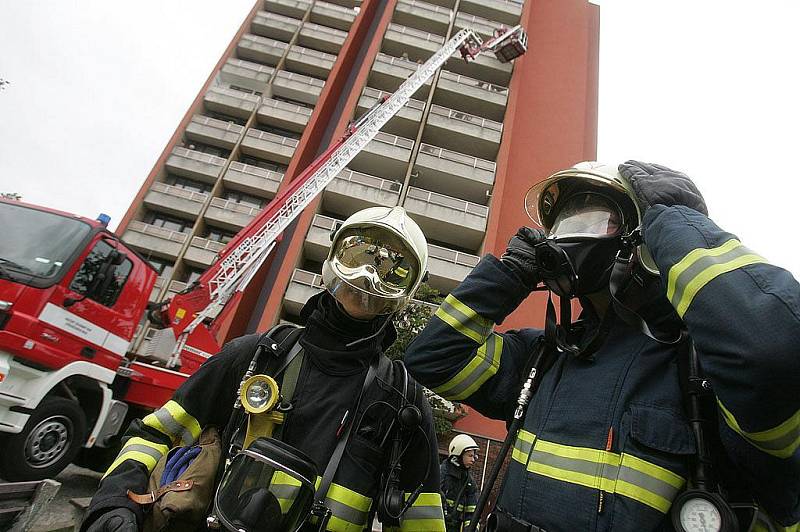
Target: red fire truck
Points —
{"points": [[72, 296]]}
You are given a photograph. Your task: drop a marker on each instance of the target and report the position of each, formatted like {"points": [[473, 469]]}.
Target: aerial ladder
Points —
{"points": [[186, 338]]}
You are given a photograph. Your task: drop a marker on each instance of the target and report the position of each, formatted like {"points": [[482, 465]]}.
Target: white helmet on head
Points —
{"points": [[378, 255], [461, 443]]}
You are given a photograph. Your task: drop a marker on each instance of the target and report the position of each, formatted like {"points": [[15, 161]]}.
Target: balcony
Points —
{"points": [[252, 180], [194, 165], [175, 200], [347, 3], [231, 102], [447, 267], [418, 45], [332, 15], [423, 16], [471, 96], [352, 191], [247, 74], [175, 287], [453, 173], [297, 87], [305, 284], [484, 27], [506, 12], [446, 219], [274, 26], [405, 123], [321, 38], [284, 115], [464, 132], [155, 295], [268, 146], [261, 49], [214, 132], [389, 72], [154, 241], [386, 155], [309, 62], [230, 215], [289, 8], [202, 252], [484, 67]]}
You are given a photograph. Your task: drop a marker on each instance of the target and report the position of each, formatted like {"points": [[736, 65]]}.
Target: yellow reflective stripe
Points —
{"points": [[481, 368], [139, 450], [425, 515], [285, 488], [172, 420], [349, 509], [700, 266], [349, 497], [781, 441], [623, 474], [522, 446], [463, 319]]}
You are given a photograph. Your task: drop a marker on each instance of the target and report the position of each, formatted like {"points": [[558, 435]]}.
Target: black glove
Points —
{"points": [[116, 520], [655, 184], [520, 255]]}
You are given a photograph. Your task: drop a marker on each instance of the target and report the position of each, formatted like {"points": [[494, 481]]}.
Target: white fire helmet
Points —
{"points": [[548, 204], [461, 443], [380, 256]]}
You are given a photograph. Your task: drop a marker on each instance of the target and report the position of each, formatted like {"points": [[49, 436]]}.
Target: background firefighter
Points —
{"points": [[605, 443], [458, 488]]}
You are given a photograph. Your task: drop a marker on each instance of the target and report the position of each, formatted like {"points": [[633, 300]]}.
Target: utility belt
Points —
{"points": [[500, 521]]}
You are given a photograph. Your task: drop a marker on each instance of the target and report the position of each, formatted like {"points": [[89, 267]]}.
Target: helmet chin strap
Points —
{"points": [[556, 334], [627, 282]]}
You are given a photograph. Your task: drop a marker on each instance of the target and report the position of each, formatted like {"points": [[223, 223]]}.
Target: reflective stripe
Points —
{"points": [[622, 474], [349, 509], [765, 524], [522, 446], [285, 488], [139, 450], [172, 420], [425, 515], [781, 441], [482, 367], [463, 319], [700, 266]]}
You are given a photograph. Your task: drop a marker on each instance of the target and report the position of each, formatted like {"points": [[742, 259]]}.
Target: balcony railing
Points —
{"points": [[424, 6], [300, 78], [272, 137], [206, 244], [406, 30], [230, 205], [178, 192], [398, 61], [198, 156], [233, 127], [319, 28], [448, 201], [394, 140], [313, 53], [261, 173], [256, 68], [466, 117], [472, 82], [264, 41], [333, 7], [233, 93], [370, 181], [286, 106], [459, 158], [378, 94], [160, 232], [263, 16], [453, 256]]}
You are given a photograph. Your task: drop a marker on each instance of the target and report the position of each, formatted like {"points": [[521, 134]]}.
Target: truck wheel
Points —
{"points": [[50, 440]]}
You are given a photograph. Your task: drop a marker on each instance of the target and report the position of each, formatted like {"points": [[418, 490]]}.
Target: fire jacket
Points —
{"points": [[330, 379], [604, 444], [460, 495]]}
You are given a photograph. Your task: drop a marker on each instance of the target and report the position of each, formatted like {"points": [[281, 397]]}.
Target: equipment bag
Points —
{"points": [[181, 505]]}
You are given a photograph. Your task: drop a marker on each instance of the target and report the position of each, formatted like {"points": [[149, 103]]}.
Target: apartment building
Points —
{"points": [[459, 156]]}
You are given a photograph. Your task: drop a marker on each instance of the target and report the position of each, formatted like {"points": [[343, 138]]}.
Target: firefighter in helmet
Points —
{"points": [[670, 402], [459, 492], [349, 433]]}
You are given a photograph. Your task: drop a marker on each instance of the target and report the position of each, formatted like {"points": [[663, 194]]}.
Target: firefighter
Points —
{"points": [[458, 488], [606, 442], [351, 411]]}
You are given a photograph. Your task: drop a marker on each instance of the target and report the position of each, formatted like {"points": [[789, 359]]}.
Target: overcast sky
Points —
{"points": [[710, 88]]}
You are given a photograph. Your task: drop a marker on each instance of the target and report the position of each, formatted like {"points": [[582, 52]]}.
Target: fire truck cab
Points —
{"points": [[71, 298]]}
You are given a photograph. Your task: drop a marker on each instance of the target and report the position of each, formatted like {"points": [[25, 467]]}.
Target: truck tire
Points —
{"points": [[50, 440]]}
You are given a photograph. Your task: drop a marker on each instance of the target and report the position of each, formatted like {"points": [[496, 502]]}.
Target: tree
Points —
{"points": [[409, 322], [11, 195]]}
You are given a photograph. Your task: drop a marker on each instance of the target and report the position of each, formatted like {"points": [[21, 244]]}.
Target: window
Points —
{"points": [[225, 118], [107, 291], [218, 235], [266, 165], [244, 199], [247, 90], [191, 276], [163, 267], [168, 222], [280, 131], [188, 184]]}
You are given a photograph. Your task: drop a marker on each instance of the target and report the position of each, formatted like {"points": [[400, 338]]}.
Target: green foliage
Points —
{"points": [[409, 322]]}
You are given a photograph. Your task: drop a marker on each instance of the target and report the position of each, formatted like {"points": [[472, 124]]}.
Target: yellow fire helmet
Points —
{"points": [[544, 200], [378, 255]]}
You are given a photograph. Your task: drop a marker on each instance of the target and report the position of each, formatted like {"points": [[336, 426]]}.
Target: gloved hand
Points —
{"points": [[520, 255], [116, 520], [655, 184]]}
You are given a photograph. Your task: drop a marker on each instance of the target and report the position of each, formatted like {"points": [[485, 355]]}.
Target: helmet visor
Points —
{"points": [[587, 215], [379, 254]]}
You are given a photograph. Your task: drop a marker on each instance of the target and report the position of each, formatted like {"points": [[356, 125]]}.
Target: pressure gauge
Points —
{"points": [[700, 511], [259, 394]]}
